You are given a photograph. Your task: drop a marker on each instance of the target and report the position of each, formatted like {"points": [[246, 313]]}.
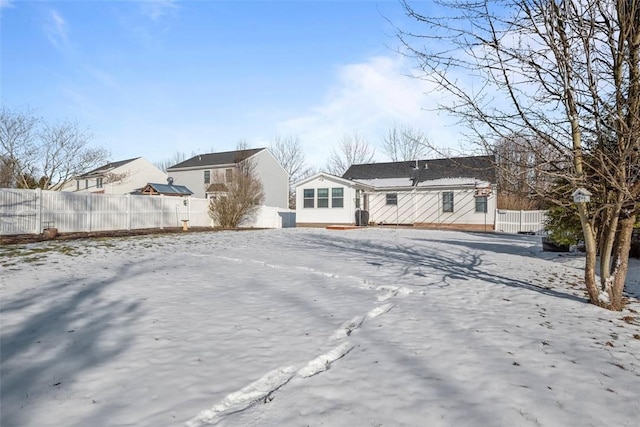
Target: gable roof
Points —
{"points": [[330, 177], [476, 167], [105, 168], [217, 187], [167, 189], [216, 159]]}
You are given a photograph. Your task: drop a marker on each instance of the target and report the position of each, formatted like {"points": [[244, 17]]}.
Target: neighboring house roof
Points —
{"points": [[331, 177], [217, 188], [166, 189], [476, 167], [105, 168], [216, 159]]}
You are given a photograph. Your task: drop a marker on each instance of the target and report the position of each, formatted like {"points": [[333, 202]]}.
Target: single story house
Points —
{"points": [[207, 174], [455, 193], [324, 199]]}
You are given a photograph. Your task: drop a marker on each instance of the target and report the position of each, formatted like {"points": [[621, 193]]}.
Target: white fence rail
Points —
{"points": [[31, 211], [520, 221]]}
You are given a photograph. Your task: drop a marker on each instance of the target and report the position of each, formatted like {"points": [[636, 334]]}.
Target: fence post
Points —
{"points": [[162, 211], [89, 212], [38, 203], [128, 211], [520, 221]]}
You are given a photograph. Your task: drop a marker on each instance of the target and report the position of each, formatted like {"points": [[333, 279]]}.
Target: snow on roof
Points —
{"points": [[386, 182], [406, 182], [454, 182]]}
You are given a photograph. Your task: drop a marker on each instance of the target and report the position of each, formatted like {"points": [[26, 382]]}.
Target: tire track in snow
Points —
{"points": [[366, 284], [323, 362], [244, 398], [262, 388]]}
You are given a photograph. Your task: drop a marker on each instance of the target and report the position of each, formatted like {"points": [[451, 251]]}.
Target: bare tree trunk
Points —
{"points": [[621, 263], [590, 260]]}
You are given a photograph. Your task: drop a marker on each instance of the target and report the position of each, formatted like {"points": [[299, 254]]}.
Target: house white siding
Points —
{"points": [[425, 207], [325, 215], [275, 180], [120, 180], [193, 179]]}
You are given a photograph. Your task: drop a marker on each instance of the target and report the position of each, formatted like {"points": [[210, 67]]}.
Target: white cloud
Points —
{"points": [[57, 30], [156, 9], [369, 98]]}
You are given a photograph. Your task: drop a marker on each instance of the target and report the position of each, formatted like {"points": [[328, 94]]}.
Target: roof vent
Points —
{"points": [[170, 180]]}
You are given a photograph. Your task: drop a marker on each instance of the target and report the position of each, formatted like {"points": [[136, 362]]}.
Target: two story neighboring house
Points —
{"points": [[207, 174], [122, 177], [445, 193]]}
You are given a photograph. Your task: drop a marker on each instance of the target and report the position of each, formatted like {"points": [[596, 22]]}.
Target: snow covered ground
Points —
{"points": [[302, 327]]}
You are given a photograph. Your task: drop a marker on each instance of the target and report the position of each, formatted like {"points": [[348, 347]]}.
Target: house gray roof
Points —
{"points": [[168, 189], [215, 159], [477, 167], [105, 168]]}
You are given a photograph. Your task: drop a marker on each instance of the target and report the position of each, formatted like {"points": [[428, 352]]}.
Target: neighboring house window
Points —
{"points": [[481, 204], [86, 184], [77, 185], [447, 201], [392, 198], [228, 175], [357, 198], [337, 197], [309, 198], [99, 182], [207, 177], [323, 197]]}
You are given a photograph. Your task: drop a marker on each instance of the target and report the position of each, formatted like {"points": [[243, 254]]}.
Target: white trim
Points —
{"points": [[337, 179]]}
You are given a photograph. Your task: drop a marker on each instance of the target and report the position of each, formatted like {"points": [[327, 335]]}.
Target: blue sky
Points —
{"points": [[151, 78]]}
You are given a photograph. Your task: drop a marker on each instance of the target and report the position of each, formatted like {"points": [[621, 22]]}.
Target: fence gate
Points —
{"points": [[520, 221]]}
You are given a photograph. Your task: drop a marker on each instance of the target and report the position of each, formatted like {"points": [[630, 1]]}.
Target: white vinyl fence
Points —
{"points": [[31, 211], [520, 221]]}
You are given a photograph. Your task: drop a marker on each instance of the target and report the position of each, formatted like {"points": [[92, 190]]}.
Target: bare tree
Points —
{"points": [[405, 143], [243, 196], [288, 151], [64, 153], [565, 73], [519, 180], [177, 157], [18, 144], [7, 176], [55, 153], [352, 150]]}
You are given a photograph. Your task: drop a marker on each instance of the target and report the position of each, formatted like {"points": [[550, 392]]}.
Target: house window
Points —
{"points": [[323, 197], [86, 184], [228, 175], [99, 182], [447, 201], [337, 197], [77, 185], [207, 177], [357, 198], [309, 198], [481, 204], [392, 198]]}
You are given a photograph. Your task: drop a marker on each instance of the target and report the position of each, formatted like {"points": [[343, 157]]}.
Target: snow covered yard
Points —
{"points": [[297, 327]]}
